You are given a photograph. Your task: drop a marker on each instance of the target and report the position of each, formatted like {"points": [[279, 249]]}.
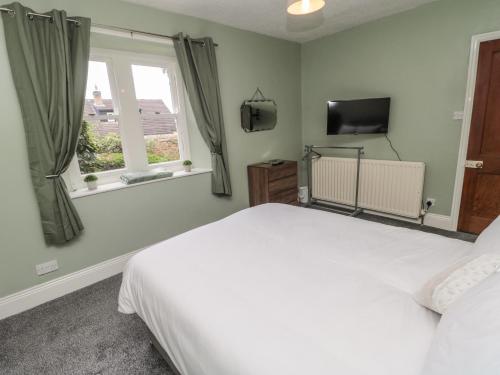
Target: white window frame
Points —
{"points": [[119, 65]]}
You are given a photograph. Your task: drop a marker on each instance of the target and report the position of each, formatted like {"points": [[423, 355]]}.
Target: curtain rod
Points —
{"points": [[31, 15], [132, 31]]}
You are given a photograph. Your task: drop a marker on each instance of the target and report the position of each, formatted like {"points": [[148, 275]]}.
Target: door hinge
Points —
{"points": [[476, 164]]}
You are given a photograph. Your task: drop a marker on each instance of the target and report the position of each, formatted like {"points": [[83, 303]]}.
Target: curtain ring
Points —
{"points": [[11, 12], [30, 16]]}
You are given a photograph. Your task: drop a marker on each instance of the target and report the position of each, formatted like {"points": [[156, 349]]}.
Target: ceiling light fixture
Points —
{"points": [[300, 7]]}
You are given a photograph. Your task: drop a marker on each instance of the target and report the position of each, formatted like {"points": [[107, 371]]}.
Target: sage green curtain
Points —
{"points": [[199, 69], [49, 60]]}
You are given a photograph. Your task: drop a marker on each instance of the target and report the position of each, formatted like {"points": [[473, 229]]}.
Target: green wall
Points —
{"points": [[122, 221], [420, 59]]}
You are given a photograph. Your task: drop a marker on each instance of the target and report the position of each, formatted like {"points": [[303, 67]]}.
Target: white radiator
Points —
{"points": [[392, 187]]}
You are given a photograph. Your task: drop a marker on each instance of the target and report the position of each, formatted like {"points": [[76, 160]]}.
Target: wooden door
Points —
{"points": [[481, 190]]}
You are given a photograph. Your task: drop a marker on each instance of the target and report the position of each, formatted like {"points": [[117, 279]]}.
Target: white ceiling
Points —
{"points": [[269, 16]]}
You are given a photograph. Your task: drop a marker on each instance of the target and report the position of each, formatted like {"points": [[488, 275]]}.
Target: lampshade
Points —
{"points": [[299, 7], [304, 22]]}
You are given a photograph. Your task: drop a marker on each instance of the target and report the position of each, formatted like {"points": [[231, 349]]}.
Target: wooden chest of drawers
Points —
{"points": [[273, 184]]}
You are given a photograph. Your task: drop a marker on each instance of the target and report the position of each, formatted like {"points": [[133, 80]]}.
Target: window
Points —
{"points": [[100, 147], [134, 117], [157, 113]]}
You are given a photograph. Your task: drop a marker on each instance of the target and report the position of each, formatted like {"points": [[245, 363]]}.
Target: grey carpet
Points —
{"points": [[83, 333]]}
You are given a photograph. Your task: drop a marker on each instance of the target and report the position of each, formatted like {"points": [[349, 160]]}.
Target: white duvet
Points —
{"points": [[278, 289]]}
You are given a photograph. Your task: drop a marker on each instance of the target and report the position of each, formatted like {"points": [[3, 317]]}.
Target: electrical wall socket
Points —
{"points": [[432, 201], [43, 268]]}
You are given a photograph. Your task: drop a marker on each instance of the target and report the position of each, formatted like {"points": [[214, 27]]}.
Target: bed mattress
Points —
{"points": [[278, 289]]}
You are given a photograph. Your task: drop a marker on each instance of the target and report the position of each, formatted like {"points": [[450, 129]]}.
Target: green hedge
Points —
{"points": [[103, 153], [96, 153]]}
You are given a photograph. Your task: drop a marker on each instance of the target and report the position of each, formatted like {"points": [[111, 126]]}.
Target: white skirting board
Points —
{"points": [[431, 220], [50, 290], [439, 221]]}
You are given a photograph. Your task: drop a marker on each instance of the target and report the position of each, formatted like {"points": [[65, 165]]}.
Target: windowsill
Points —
{"points": [[120, 185]]}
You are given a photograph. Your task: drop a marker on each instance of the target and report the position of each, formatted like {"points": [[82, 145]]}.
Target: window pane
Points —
{"points": [[157, 112], [100, 146]]}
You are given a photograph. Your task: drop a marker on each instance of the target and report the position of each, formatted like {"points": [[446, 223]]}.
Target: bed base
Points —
{"points": [[155, 344]]}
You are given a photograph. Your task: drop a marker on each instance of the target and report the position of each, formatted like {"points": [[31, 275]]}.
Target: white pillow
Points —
{"points": [[489, 240], [467, 340], [449, 285]]}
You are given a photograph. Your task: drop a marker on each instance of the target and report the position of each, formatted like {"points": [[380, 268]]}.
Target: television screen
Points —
{"points": [[365, 116]]}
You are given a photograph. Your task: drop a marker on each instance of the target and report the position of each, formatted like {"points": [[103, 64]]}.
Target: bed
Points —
{"points": [[278, 289]]}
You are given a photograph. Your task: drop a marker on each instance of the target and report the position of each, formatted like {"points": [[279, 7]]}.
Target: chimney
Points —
{"points": [[97, 98]]}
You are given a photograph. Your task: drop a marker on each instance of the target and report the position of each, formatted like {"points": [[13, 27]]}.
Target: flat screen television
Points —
{"points": [[364, 116]]}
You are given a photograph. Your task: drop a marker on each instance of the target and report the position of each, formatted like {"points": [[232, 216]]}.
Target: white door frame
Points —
{"points": [[466, 124]]}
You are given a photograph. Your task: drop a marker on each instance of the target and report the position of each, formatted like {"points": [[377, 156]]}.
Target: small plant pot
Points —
{"points": [[92, 185], [187, 168]]}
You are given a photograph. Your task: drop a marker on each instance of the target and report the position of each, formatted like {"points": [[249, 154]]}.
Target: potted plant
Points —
{"points": [[91, 180], [187, 165]]}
